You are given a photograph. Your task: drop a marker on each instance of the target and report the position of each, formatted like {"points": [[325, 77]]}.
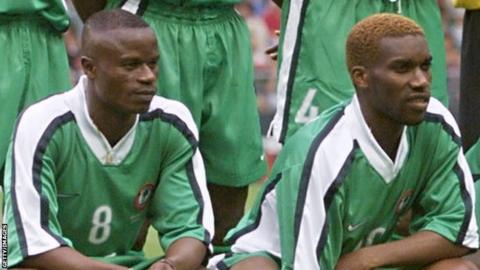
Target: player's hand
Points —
{"points": [[160, 266], [357, 260], [164, 264], [272, 52]]}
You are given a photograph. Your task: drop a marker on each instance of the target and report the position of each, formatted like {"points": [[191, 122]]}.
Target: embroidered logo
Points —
{"points": [[353, 227], [404, 201], [143, 195]]}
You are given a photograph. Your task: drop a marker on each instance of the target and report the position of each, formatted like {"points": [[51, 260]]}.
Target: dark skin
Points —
{"points": [[234, 208], [256, 263], [86, 8], [185, 253], [121, 67], [66, 258], [227, 202], [453, 264], [122, 75], [393, 92]]}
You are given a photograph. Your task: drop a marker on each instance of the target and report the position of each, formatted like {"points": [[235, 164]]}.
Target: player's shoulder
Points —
{"points": [[327, 135], [435, 107], [443, 119], [41, 120], [171, 111], [41, 114]]}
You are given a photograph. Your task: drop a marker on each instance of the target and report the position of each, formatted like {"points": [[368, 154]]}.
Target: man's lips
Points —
{"points": [[144, 95], [419, 102]]}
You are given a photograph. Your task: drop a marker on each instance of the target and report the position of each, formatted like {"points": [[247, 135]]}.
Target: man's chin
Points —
{"points": [[415, 121]]}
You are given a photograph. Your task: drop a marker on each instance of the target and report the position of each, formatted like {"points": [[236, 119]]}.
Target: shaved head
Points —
{"points": [[105, 21]]}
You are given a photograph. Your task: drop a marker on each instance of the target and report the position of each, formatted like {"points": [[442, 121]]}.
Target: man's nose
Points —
{"points": [[421, 78], [147, 74]]}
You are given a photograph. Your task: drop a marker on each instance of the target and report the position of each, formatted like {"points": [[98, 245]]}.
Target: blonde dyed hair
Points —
{"points": [[364, 38]]}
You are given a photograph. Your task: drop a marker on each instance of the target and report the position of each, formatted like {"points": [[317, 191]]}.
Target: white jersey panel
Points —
{"points": [[436, 107], [471, 239], [181, 111], [289, 44], [329, 160], [31, 127], [266, 236]]}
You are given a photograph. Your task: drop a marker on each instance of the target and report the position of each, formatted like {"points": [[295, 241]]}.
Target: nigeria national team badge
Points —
{"points": [[144, 194], [404, 201]]}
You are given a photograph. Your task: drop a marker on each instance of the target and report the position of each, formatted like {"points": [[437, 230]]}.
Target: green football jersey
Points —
{"points": [[334, 190], [54, 11], [207, 64], [312, 71], [473, 158], [66, 186]]}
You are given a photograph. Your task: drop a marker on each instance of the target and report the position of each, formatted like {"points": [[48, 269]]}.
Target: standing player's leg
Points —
{"points": [[35, 67], [228, 204], [230, 137]]}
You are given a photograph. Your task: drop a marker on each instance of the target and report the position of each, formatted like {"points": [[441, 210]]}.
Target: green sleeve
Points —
{"points": [[473, 159], [445, 203], [181, 205], [31, 201]]}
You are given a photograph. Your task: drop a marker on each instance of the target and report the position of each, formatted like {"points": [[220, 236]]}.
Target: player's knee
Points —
{"points": [[453, 264], [256, 263]]}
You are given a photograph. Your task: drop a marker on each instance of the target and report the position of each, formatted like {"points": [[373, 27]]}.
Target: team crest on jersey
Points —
{"points": [[404, 201], [143, 196]]}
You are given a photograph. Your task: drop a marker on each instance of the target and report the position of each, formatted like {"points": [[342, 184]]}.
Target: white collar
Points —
{"points": [[92, 135], [376, 156]]}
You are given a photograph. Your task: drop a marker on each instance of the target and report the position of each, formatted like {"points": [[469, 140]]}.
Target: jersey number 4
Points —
{"points": [[307, 111], [100, 231]]}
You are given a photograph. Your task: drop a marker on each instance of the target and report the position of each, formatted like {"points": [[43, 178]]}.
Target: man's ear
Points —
{"points": [[359, 77], [88, 67]]}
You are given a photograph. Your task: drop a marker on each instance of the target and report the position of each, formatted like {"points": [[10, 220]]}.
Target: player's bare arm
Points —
{"points": [[453, 264], [421, 248], [258, 262], [184, 254], [85, 8], [66, 258]]}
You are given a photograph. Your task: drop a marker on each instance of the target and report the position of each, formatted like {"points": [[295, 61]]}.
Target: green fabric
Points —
{"points": [[206, 63], [98, 208], [364, 207], [33, 65], [53, 11], [473, 159], [321, 67]]}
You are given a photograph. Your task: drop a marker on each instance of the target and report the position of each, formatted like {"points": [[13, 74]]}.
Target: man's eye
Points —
{"points": [[152, 64], [402, 68], [130, 65], [426, 66]]}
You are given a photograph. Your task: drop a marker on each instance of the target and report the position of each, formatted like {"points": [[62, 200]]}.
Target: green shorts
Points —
{"points": [[33, 65], [206, 63], [312, 71]]}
